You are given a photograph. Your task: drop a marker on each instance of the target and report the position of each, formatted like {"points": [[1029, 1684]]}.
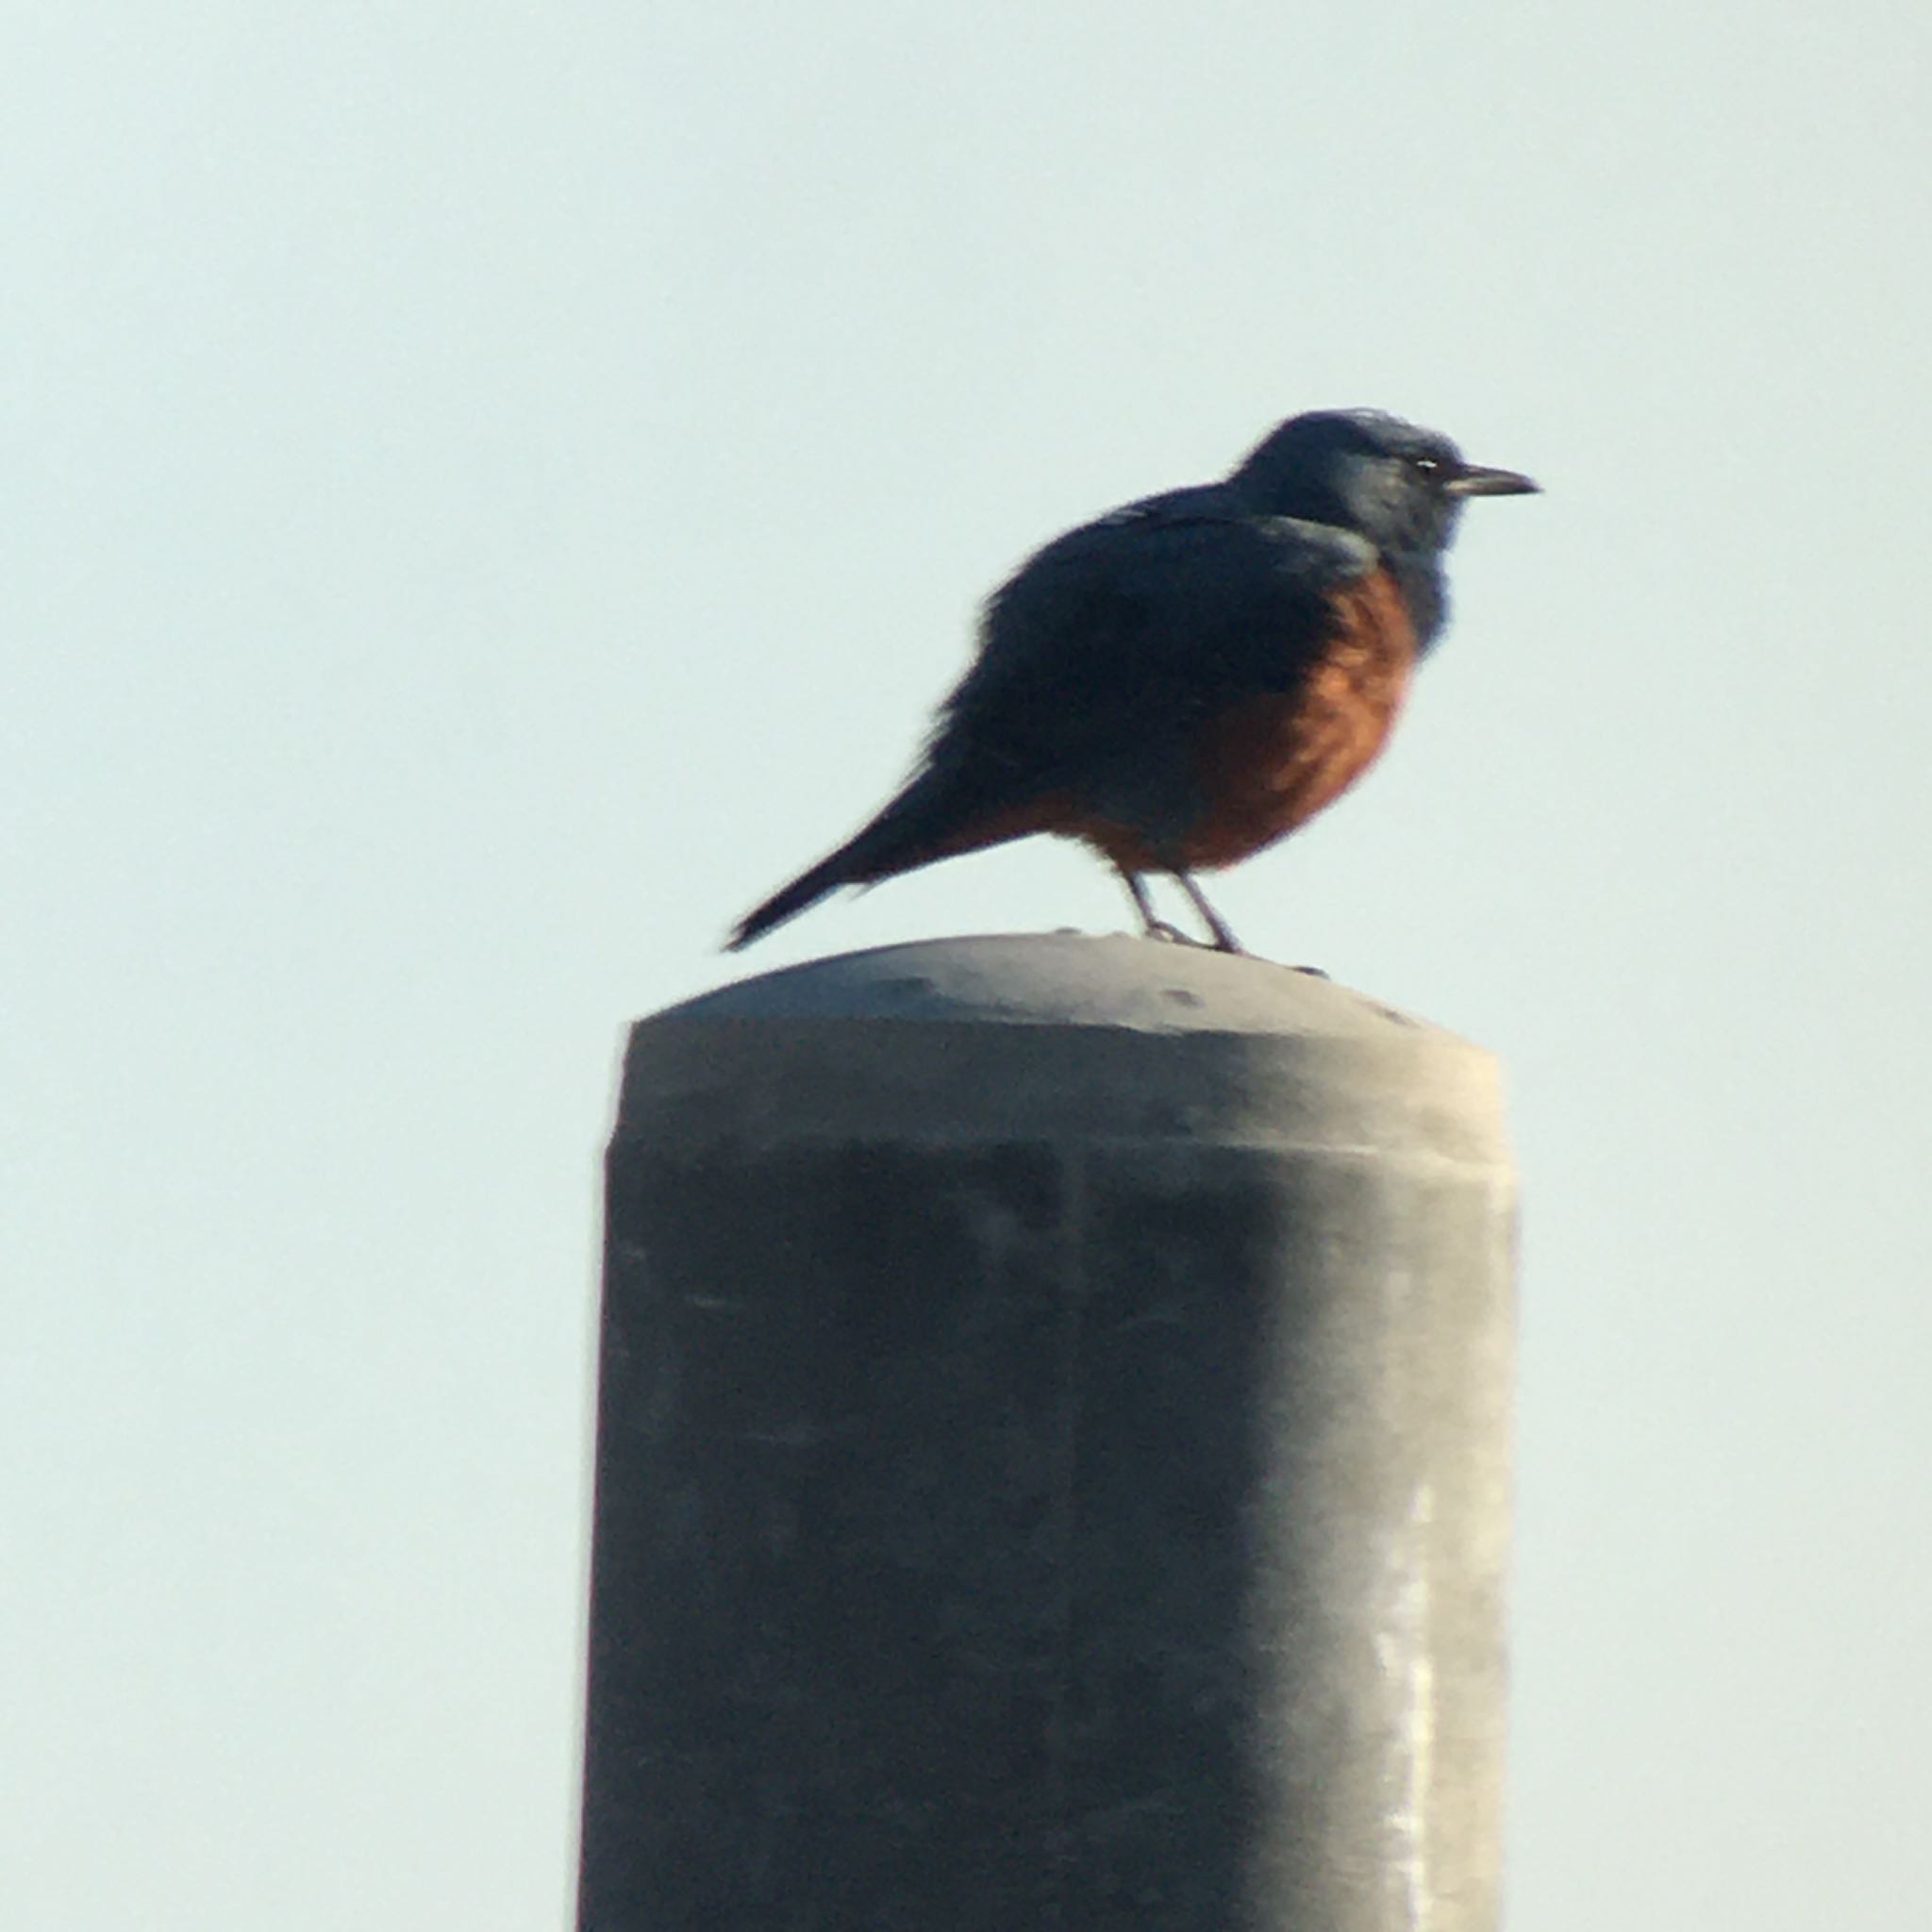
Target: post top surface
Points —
{"points": [[1059, 979], [1058, 1034]]}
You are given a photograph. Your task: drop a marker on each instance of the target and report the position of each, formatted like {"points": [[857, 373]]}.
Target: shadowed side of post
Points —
{"points": [[1053, 1455]]}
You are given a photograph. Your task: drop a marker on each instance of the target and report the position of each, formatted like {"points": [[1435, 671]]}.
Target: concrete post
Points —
{"points": [[1053, 1455]]}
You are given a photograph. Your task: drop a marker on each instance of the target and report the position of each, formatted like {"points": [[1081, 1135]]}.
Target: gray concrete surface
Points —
{"points": [[1053, 1455]]}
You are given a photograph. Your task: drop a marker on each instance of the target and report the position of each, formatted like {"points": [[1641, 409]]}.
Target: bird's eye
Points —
{"points": [[1428, 466]]}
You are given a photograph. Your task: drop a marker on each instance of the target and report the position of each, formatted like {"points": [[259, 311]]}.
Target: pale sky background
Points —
{"points": [[487, 489]]}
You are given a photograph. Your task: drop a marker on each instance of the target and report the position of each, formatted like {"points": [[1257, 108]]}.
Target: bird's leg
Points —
{"points": [[1225, 941], [1155, 928]]}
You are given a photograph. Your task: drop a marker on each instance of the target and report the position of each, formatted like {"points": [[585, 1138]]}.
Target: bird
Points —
{"points": [[1191, 676]]}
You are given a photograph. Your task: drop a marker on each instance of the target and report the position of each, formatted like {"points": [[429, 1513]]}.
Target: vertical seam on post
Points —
{"points": [[1073, 1296]]}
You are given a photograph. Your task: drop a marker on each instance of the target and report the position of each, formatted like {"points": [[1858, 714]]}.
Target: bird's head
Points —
{"points": [[1399, 486]]}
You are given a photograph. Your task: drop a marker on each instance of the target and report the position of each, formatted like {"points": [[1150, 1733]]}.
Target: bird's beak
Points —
{"points": [[1477, 481]]}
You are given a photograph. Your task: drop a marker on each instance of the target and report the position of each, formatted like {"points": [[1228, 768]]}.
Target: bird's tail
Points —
{"points": [[932, 817]]}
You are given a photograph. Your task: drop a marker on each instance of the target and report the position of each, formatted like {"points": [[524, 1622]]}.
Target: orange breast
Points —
{"points": [[1275, 760]]}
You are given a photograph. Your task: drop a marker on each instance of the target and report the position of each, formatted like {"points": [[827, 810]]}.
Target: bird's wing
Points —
{"points": [[1122, 636], [1098, 661]]}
